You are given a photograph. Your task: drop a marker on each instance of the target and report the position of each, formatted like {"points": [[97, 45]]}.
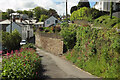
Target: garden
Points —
{"points": [[22, 64], [19, 62]]}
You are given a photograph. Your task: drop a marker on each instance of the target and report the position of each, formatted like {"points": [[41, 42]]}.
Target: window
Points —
{"points": [[48, 22], [56, 21]]}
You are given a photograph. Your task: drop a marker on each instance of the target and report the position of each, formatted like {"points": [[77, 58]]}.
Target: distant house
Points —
{"points": [[105, 6], [51, 21], [25, 30], [19, 16], [4, 24], [39, 24]]}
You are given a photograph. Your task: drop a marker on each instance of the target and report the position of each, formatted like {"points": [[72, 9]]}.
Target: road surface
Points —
{"points": [[56, 67]]}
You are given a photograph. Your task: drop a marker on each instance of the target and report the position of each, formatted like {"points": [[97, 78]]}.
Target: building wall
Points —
{"points": [[51, 20], [104, 6], [50, 44], [14, 26]]}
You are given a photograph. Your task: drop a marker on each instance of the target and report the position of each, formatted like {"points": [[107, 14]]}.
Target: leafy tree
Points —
{"points": [[111, 9], [74, 8], [9, 11], [11, 40], [83, 3], [38, 11], [30, 14], [19, 11], [5, 15], [53, 12], [43, 18]]}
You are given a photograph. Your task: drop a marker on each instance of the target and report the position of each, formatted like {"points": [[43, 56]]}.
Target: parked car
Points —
{"points": [[23, 42]]}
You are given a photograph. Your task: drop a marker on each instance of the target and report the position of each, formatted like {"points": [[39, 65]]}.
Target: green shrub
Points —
{"points": [[97, 51], [11, 41], [69, 36], [29, 45], [117, 26], [21, 65], [105, 21], [86, 13]]}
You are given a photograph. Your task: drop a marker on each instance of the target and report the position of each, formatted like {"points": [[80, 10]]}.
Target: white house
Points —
{"points": [[4, 24], [51, 21], [103, 5], [25, 30], [19, 16]]}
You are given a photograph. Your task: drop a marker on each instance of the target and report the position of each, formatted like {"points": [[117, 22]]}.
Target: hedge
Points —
{"points": [[97, 51], [105, 21], [86, 13]]}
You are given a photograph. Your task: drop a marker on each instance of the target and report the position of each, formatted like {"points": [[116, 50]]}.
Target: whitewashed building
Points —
{"points": [[51, 21], [19, 16], [104, 5], [25, 30]]}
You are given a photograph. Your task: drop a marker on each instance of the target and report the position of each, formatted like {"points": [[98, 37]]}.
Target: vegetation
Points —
{"points": [[37, 12], [105, 21], [111, 9], [96, 51], [11, 41], [69, 36], [117, 26], [29, 45], [43, 18], [52, 12], [83, 4], [86, 13], [52, 29], [74, 8], [23, 64]]}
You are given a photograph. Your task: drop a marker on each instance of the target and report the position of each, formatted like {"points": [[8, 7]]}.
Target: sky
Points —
{"points": [[58, 5]]}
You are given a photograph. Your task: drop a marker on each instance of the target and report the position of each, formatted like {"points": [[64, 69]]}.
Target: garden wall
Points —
{"points": [[49, 42]]}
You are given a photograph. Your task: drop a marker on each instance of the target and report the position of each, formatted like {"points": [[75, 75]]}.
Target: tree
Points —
{"points": [[9, 11], [38, 11], [11, 41], [74, 8], [19, 11], [5, 15], [53, 12], [111, 9], [30, 14], [43, 18], [83, 3]]}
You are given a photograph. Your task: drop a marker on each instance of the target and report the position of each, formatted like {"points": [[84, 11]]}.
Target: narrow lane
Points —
{"points": [[57, 67]]}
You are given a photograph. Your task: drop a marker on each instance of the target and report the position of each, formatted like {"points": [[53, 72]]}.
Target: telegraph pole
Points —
{"points": [[11, 24], [66, 12]]}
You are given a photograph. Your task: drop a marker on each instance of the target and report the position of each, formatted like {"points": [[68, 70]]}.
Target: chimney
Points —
{"points": [[21, 20], [13, 18]]}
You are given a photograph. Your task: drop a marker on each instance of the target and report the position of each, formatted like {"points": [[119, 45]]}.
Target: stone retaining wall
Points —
{"points": [[49, 42]]}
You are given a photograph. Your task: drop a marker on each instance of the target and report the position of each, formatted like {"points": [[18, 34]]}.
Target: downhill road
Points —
{"points": [[56, 67]]}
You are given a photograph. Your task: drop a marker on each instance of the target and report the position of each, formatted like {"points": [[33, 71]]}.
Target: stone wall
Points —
{"points": [[49, 42]]}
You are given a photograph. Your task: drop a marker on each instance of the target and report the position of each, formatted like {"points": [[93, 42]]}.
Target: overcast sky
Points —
{"points": [[58, 5]]}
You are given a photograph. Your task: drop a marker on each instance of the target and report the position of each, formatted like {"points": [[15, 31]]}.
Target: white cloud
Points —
{"points": [[29, 4]]}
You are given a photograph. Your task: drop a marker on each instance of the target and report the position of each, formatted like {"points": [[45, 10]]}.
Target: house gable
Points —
{"points": [[51, 21]]}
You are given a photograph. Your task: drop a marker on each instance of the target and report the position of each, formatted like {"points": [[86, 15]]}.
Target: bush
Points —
{"points": [[11, 41], [21, 65], [105, 21], [43, 18], [97, 51], [86, 13], [29, 45], [69, 36], [117, 26]]}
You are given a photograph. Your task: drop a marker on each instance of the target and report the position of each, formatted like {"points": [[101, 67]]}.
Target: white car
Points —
{"points": [[23, 42]]}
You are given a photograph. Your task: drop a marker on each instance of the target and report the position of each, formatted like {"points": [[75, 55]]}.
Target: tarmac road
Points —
{"points": [[56, 67]]}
